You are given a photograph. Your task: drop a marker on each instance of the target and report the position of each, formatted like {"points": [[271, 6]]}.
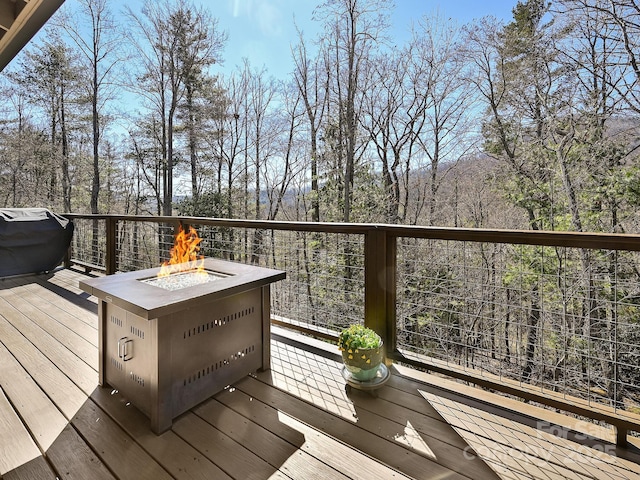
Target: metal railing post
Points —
{"points": [[379, 284]]}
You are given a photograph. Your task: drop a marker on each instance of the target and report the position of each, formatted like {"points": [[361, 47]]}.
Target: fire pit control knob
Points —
{"points": [[123, 349]]}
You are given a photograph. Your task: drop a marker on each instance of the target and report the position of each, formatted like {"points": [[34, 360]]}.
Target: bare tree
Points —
{"points": [[603, 150], [448, 135], [229, 134], [24, 150], [99, 55], [49, 75], [312, 80], [395, 114], [280, 170], [618, 22], [175, 42], [261, 93], [353, 28], [261, 136]]}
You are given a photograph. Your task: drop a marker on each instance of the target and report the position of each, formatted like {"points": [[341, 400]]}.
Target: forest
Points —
{"points": [[530, 124]]}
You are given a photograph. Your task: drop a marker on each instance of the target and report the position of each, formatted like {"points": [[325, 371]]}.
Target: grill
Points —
{"points": [[168, 350]]}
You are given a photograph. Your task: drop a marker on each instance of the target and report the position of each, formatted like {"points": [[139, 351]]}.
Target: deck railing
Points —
{"points": [[547, 316]]}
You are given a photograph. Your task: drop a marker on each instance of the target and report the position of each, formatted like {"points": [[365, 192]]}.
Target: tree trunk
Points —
{"points": [[191, 132]]}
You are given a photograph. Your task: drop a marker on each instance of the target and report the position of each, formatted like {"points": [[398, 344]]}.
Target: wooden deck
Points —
{"points": [[294, 421]]}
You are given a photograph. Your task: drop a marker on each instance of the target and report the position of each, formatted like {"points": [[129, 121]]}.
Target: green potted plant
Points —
{"points": [[362, 351]]}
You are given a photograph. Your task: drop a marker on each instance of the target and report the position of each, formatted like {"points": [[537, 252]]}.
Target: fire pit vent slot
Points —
{"points": [[138, 379], [116, 364], [137, 332], [220, 364], [220, 322], [116, 321]]}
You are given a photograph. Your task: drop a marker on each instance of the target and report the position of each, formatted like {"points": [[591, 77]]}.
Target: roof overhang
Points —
{"points": [[19, 22]]}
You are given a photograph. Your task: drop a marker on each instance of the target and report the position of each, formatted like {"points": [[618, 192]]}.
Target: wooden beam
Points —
{"points": [[111, 234], [9, 11], [20, 5], [25, 18], [7, 14], [375, 282]]}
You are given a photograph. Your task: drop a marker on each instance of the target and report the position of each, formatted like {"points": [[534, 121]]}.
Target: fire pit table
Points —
{"points": [[166, 349]]}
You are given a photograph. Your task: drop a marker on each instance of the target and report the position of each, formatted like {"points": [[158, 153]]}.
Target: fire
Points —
{"points": [[184, 254]]}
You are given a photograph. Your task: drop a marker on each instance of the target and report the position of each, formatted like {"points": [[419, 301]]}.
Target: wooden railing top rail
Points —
{"points": [[353, 228], [604, 241]]}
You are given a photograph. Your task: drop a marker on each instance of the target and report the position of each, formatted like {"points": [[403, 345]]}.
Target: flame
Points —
{"points": [[184, 254]]}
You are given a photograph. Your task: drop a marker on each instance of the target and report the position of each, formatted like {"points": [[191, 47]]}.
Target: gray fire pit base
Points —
{"points": [[167, 365], [168, 359]]}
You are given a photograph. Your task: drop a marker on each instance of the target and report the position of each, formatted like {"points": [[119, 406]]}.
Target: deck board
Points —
{"points": [[294, 421], [25, 302], [83, 375], [72, 458], [232, 457], [394, 409], [184, 461], [333, 452], [80, 321], [65, 394], [124, 456], [16, 445], [36, 469], [365, 438], [37, 411], [287, 457]]}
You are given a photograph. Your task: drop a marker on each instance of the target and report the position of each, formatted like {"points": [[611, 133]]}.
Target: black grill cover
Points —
{"points": [[32, 240]]}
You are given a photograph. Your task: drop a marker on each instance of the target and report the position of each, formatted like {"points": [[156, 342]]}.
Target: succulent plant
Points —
{"points": [[362, 351], [358, 337]]}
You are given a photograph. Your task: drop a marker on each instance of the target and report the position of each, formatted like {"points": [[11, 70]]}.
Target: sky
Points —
{"points": [[264, 30]]}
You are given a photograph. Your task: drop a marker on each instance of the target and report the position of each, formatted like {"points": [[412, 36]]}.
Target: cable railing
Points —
{"points": [[324, 288], [557, 319], [548, 316]]}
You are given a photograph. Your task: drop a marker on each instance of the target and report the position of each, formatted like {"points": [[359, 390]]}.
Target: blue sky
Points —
{"points": [[263, 30]]}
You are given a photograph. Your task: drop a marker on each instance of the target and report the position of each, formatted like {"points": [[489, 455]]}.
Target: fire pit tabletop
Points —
{"points": [[128, 291]]}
